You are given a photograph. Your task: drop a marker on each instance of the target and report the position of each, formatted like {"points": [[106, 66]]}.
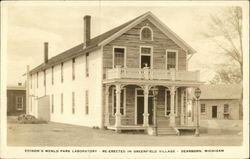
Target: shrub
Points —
{"points": [[29, 119]]}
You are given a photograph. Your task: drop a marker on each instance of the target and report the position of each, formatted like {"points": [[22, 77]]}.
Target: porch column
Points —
{"points": [[107, 105], [118, 106], [145, 114], [172, 101], [182, 107]]}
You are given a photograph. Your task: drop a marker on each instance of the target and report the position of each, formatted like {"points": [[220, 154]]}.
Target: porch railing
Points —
{"points": [[152, 74]]}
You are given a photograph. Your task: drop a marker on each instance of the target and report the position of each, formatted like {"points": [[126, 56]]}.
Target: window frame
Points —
{"points": [[52, 75], [151, 55], [86, 102], [17, 102], [87, 65], [124, 101], [125, 55], [204, 109], [73, 68], [224, 112], [152, 34], [52, 103], [62, 79], [176, 60]]}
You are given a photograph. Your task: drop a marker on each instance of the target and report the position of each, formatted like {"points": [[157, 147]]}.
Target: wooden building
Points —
{"points": [[133, 77], [220, 101], [16, 100]]}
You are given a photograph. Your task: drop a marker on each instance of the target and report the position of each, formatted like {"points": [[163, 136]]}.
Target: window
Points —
{"points": [[171, 59], [52, 75], [145, 59], [62, 72], [73, 102], [61, 103], [31, 98], [87, 64], [168, 102], [146, 33], [19, 103], [37, 81], [226, 108], [44, 78], [52, 103], [122, 101], [73, 69], [31, 82], [119, 57], [203, 108], [86, 102]]}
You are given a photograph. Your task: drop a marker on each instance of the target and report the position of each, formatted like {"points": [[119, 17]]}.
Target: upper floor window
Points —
{"points": [[87, 65], [73, 69], [86, 102], [62, 72], [52, 103], [52, 75], [119, 57], [172, 59], [146, 33], [44, 78]]}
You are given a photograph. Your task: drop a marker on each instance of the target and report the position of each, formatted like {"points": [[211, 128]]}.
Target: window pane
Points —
{"points": [[146, 34], [145, 50], [171, 60], [119, 57]]}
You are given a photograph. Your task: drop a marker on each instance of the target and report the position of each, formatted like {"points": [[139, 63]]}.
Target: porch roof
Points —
{"points": [[153, 82]]}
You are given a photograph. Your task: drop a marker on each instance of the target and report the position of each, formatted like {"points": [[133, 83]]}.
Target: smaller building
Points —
{"points": [[220, 102], [16, 100]]}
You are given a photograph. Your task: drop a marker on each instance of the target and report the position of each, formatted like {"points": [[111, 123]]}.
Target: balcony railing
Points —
{"points": [[152, 74]]}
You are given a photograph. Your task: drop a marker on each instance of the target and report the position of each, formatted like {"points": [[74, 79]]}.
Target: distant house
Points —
{"points": [[16, 100], [220, 102]]}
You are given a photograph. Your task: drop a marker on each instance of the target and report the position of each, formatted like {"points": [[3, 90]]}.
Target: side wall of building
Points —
{"points": [[90, 116], [12, 102], [233, 108]]}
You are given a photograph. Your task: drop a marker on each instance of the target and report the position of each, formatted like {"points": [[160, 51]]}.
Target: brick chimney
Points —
{"points": [[46, 48], [86, 30]]}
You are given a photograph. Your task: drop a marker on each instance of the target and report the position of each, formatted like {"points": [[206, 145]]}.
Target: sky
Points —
{"points": [[29, 26]]}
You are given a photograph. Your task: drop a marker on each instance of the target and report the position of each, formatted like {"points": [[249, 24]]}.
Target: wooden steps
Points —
{"points": [[167, 131]]}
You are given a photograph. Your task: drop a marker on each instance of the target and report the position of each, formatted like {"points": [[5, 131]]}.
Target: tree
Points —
{"points": [[225, 30]]}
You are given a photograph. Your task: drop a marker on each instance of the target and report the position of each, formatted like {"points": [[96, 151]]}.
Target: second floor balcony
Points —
{"points": [[152, 74]]}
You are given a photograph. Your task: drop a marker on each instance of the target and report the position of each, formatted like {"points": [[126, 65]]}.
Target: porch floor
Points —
{"points": [[186, 127]]}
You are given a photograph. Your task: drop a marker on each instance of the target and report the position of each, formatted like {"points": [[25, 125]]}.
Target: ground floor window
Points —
{"points": [[203, 108], [226, 111], [19, 103], [122, 101], [86, 102]]}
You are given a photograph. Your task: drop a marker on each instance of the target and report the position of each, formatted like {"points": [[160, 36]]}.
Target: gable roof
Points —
{"points": [[108, 36], [223, 91]]}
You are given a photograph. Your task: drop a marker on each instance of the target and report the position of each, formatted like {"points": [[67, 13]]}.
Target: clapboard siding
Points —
{"points": [[131, 40]]}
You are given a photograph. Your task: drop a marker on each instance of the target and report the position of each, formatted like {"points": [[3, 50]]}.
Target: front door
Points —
{"points": [[214, 111], [140, 110]]}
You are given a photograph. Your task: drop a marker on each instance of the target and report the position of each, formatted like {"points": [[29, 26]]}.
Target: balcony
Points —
{"points": [[152, 74]]}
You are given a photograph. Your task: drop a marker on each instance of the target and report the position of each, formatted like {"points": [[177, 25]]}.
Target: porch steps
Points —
{"points": [[167, 131]]}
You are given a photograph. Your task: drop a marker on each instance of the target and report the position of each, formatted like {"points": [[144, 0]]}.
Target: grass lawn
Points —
{"points": [[56, 134]]}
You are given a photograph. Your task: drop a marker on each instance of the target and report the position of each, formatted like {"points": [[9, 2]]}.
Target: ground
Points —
{"points": [[213, 133]]}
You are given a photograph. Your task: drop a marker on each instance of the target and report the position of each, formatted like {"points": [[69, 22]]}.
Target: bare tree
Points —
{"points": [[225, 30]]}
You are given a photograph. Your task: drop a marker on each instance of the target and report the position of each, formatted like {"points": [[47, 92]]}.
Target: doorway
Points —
{"points": [[140, 110], [214, 111]]}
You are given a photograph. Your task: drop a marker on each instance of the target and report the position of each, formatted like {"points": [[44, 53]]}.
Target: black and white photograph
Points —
{"points": [[126, 79]]}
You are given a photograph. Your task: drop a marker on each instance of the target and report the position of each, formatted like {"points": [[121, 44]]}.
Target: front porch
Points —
{"points": [[149, 105]]}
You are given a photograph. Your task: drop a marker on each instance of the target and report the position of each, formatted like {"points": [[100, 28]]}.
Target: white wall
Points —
{"points": [[93, 84]]}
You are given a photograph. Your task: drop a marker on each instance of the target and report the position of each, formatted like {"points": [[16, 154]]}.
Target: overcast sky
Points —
{"points": [[62, 26]]}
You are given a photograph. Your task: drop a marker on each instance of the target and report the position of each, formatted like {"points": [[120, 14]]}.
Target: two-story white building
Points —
{"points": [[133, 77]]}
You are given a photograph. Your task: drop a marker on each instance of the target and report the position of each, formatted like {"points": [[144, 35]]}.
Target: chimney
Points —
{"points": [[86, 31], [46, 52]]}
